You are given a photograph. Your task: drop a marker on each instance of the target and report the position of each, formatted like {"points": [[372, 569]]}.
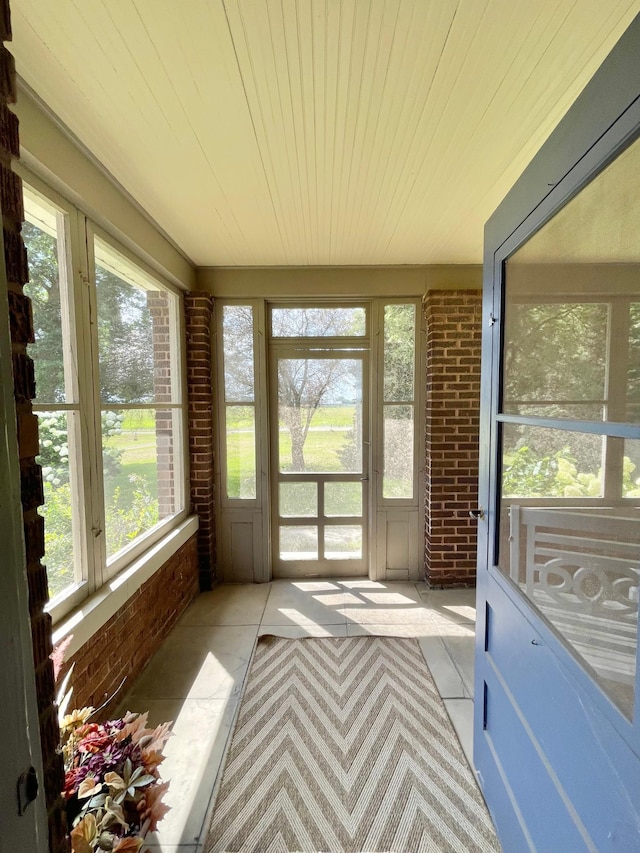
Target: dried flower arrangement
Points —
{"points": [[113, 789]]}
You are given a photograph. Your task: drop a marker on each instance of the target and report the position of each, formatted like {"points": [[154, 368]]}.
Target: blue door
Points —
{"points": [[557, 710]]}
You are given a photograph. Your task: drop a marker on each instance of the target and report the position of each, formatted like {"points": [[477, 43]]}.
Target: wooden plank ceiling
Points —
{"points": [[315, 132]]}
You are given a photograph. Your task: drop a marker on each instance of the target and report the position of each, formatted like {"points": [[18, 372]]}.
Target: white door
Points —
{"points": [[320, 441]]}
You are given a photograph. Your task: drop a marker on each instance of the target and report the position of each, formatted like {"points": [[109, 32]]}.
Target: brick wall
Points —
{"points": [[198, 312], [453, 320], [158, 303], [21, 326], [122, 647]]}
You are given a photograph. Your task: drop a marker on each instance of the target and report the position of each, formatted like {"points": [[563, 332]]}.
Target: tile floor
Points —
{"points": [[196, 677]]}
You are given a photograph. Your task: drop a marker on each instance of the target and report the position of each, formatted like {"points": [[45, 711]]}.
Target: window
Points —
{"points": [[239, 401], [55, 359], [109, 398], [399, 402]]}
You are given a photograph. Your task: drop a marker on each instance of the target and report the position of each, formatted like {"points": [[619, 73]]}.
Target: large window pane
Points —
{"points": [[399, 352], [320, 414], [59, 499], [49, 299], [241, 452], [239, 387], [141, 446], [237, 336], [318, 322], [555, 356], [138, 453], [569, 518], [397, 481], [551, 463], [125, 338], [56, 381]]}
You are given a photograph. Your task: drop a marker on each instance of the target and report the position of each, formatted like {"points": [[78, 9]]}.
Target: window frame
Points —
{"points": [[96, 571], [252, 518]]}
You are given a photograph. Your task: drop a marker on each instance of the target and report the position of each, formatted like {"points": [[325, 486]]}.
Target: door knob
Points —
{"points": [[478, 514]]}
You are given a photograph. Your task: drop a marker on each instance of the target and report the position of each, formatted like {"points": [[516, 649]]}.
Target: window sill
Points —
{"points": [[96, 611]]}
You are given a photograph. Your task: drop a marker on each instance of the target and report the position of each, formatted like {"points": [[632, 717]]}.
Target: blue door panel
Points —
{"points": [[504, 811], [544, 812], [550, 717]]}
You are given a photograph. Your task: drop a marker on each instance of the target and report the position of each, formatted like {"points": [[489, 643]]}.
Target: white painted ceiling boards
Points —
{"points": [[315, 132]]}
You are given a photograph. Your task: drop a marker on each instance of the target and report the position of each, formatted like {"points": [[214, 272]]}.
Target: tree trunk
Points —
{"points": [[297, 445]]}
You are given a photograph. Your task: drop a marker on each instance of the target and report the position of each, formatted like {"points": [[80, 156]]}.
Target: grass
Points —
{"points": [[122, 479], [339, 417], [137, 444], [322, 450]]}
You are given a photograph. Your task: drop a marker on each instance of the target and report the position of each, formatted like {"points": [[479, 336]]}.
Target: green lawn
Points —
{"points": [[329, 436]]}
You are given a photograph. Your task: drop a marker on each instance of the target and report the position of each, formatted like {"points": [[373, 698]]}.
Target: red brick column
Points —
{"points": [[158, 303], [198, 313], [21, 325], [453, 319]]}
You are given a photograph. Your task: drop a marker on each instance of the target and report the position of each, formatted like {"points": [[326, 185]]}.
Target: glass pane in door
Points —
{"points": [[319, 415], [578, 563], [342, 499]]}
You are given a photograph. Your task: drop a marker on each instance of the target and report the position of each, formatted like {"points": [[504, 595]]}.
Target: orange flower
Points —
{"points": [[151, 808], [135, 726], [151, 758], [130, 845], [84, 834]]}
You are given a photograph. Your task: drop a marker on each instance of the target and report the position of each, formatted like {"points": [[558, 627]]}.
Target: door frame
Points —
{"points": [[604, 121], [19, 720], [243, 525], [332, 568]]}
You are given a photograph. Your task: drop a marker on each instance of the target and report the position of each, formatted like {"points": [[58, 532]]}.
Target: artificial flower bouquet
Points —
{"points": [[113, 790]]}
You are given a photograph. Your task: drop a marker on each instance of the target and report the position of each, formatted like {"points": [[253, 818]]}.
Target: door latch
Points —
{"points": [[27, 789]]}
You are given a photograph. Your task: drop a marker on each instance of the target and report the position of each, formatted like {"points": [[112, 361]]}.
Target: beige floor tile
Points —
{"points": [[198, 663], [462, 652], [304, 602], [193, 757], [368, 592], [229, 604], [386, 629], [296, 632], [391, 613], [461, 714], [457, 605], [395, 603], [445, 674]]}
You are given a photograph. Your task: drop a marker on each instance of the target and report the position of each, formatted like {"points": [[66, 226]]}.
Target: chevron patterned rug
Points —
{"points": [[345, 745]]}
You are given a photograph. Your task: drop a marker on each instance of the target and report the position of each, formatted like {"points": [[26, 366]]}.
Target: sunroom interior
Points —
{"points": [[254, 240]]}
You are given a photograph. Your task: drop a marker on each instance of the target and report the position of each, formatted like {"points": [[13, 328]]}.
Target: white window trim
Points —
{"points": [[81, 609]]}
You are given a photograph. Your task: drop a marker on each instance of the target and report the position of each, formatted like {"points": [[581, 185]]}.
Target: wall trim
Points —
{"points": [[96, 611]]}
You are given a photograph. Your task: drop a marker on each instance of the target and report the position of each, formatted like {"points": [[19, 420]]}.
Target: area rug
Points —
{"points": [[344, 745]]}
